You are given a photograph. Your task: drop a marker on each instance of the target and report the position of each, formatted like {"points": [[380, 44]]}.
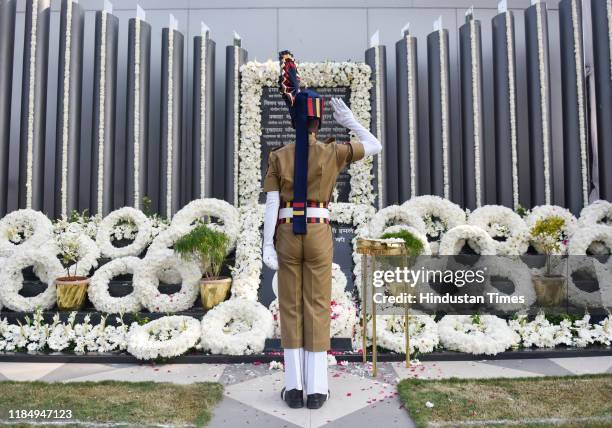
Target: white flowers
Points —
{"points": [[98, 287], [125, 214], [165, 337], [390, 333], [478, 239], [438, 214], [236, 327], [484, 334], [24, 229], [509, 231]]}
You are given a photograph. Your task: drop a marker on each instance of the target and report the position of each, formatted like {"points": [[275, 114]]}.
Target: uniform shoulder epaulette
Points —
{"points": [[329, 140]]}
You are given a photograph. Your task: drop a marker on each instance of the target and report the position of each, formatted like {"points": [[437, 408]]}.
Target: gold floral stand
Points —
{"points": [[371, 249]]}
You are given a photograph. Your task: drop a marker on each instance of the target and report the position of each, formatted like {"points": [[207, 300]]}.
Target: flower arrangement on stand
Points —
{"points": [[72, 288]]}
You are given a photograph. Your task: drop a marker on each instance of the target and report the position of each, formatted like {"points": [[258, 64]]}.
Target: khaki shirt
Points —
{"points": [[325, 161]]}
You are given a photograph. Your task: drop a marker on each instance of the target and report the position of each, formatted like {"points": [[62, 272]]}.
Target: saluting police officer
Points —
{"points": [[299, 183]]}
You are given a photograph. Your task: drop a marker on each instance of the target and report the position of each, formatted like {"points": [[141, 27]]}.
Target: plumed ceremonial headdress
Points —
{"points": [[303, 105]]}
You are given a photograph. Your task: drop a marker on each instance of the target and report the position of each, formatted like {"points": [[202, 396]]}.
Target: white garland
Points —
{"points": [[165, 337], [102, 113], [582, 239], [48, 269], [237, 120], [438, 214], [236, 327], [502, 222], [578, 58], [106, 228], [512, 107], [203, 159], [247, 156], [476, 91], [477, 238], [31, 95], [594, 269], [518, 273], [24, 229], [379, 124], [542, 333], [390, 333], [545, 211], [597, 213], [412, 125], [543, 102], [146, 282], [246, 272], [98, 287], [444, 113], [491, 335], [169, 139], [66, 110], [394, 214], [137, 113]]}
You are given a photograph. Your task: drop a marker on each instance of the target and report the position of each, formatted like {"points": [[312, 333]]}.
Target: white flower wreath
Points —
{"points": [[597, 213], [395, 215], [477, 238], [11, 280], [236, 327], [107, 226], [484, 334], [164, 337], [98, 287], [390, 333], [598, 298], [545, 211], [514, 270], [503, 223], [146, 282], [584, 237], [24, 229], [88, 253]]}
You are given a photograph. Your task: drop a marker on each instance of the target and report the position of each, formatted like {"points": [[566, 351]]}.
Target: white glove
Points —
{"points": [[271, 216], [344, 116]]}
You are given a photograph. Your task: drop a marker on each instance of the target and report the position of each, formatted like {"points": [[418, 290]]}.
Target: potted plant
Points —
{"points": [[207, 247], [71, 289], [548, 234]]}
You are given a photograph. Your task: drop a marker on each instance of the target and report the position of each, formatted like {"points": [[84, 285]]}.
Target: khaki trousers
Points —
{"points": [[304, 286]]}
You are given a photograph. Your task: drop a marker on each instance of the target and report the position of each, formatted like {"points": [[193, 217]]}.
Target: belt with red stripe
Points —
{"points": [[316, 212]]}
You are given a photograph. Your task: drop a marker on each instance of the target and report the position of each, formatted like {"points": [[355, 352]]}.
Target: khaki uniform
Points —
{"points": [[304, 274]]}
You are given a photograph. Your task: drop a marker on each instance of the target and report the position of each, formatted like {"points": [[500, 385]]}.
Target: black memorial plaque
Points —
{"points": [[343, 235], [277, 130]]}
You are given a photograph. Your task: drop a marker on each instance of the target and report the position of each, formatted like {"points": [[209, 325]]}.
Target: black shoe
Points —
{"points": [[293, 397], [316, 401]]}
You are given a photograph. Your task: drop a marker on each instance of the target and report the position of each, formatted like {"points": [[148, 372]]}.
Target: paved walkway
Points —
{"points": [[358, 400]]}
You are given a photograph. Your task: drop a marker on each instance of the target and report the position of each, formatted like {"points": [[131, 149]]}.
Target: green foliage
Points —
{"points": [[414, 246], [206, 246], [522, 211], [146, 206], [548, 232], [75, 216], [476, 320], [140, 320]]}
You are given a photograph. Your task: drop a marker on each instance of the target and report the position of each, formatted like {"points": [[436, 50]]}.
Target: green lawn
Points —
{"points": [[575, 401], [141, 403]]}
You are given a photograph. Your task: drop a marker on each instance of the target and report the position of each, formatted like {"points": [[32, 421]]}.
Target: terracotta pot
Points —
{"points": [[214, 291], [550, 290], [71, 292]]}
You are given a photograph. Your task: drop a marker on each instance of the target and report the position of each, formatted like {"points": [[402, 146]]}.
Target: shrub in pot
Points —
{"points": [[71, 289], [414, 248]]}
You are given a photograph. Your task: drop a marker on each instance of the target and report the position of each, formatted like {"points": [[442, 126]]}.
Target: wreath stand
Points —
{"points": [[371, 250]]}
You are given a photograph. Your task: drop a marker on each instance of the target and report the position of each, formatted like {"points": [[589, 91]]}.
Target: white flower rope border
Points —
{"points": [[146, 282], [545, 211], [247, 271], [98, 287], [390, 333], [518, 273], [11, 280], [512, 106], [177, 334], [105, 229], [394, 214], [544, 102], [492, 336], [22, 220], [254, 76], [477, 238], [236, 327], [595, 214], [497, 221]]}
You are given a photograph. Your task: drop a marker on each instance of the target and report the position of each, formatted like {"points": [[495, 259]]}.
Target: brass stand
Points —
{"points": [[370, 249]]}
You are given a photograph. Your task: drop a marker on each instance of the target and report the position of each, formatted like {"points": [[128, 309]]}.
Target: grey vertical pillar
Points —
{"points": [[471, 113], [235, 56], [104, 98], [601, 11], [504, 87], [68, 124], [538, 88], [439, 112], [575, 146], [33, 104], [137, 123], [7, 37], [407, 117], [385, 164], [203, 116], [171, 121]]}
